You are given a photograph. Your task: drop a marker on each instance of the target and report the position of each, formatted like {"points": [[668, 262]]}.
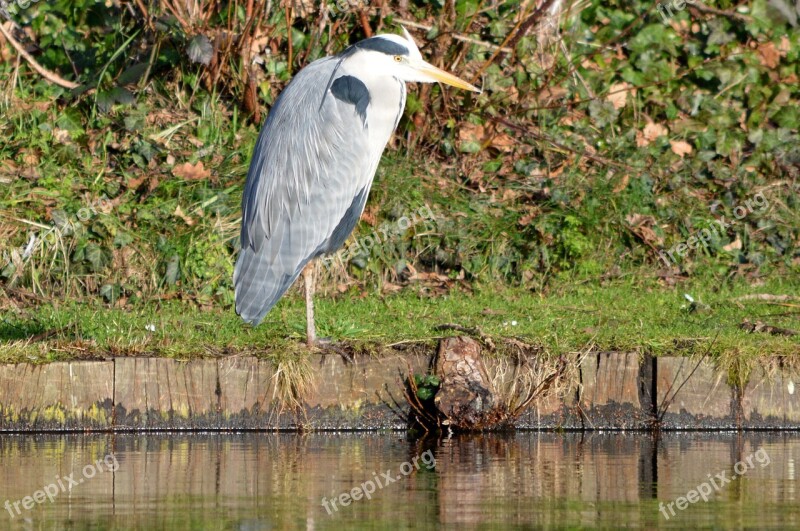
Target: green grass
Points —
{"points": [[556, 223], [632, 313]]}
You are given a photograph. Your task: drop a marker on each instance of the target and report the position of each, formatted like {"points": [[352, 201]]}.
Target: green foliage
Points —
{"points": [[631, 313], [427, 386], [575, 188]]}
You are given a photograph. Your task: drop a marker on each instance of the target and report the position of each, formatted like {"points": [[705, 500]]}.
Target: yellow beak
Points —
{"points": [[445, 77]]}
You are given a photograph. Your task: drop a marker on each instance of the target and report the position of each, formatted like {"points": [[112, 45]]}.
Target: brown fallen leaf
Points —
{"points": [[640, 225], [525, 220], [735, 245], [618, 94], [650, 132], [191, 172], [30, 158], [61, 136], [9, 167], [680, 148], [471, 133], [503, 142], [784, 46], [135, 182], [550, 93], [769, 55], [369, 216], [180, 214], [509, 195], [388, 287], [622, 184]]}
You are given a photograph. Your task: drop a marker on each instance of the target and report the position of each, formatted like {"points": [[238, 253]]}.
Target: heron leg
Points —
{"points": [[308, 277]]}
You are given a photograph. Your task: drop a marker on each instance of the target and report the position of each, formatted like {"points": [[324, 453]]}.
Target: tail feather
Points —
{"points": [[258, 285]]}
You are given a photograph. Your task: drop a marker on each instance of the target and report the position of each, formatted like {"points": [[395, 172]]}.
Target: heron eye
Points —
{"points": [[397, 58]]}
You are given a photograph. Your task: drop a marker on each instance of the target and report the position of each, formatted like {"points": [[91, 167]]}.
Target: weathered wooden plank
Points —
{"points": [[246, 393], [705, 400], [614, 388], [56, 396], [239, 393], [158, 393], [771, 399], [358, 393]]}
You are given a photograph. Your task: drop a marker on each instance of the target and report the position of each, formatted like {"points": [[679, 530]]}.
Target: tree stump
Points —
{"points": [[466, 398]]}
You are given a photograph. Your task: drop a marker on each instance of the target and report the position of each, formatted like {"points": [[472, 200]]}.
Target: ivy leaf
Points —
{"points": [[603, 112], [111, 292], [200, 50], [173, 270], [432, 381], [425, 393], [94, 255]]}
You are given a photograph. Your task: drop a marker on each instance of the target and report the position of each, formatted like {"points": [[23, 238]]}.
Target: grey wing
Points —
{"points": [[306, 188]]}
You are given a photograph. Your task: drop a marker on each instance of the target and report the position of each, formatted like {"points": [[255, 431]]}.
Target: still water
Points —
{"points": [[261, 481]]}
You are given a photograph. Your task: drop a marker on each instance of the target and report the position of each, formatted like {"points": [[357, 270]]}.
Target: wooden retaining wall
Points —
{"points": [[614, 390]]}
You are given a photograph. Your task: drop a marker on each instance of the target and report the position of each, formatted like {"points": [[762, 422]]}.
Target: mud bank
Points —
{"points": [[609, 391]]}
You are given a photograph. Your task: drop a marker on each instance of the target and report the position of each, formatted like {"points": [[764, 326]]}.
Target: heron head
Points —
{"points": [[398, 56]]}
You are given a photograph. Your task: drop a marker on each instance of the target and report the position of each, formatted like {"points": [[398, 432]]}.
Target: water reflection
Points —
{"points": [[258, 481]]}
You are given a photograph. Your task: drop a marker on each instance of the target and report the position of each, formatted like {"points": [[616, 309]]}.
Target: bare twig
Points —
{"points": [[290, 57], [559, 145], [768, 297], [541, 388], [456, 36], [476, 332], [410, 394], [530, 22], [761, 327], [661, 409], [364, 20], [714, 11], [52, 77], [516, 34]]}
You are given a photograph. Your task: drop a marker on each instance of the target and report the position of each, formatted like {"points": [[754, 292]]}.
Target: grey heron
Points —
{"points": [[313, 165]]}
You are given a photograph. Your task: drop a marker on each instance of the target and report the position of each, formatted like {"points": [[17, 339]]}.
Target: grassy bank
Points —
{"points": [[596, 181], [629, 313]]}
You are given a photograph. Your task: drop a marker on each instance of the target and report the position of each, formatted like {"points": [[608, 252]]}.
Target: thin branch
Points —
{"points": [[516, 34], [456, 36], [761, 327], [52, 77], [364, 20], [530, 22], [559, 145], [714, 11], [767, 297], [475, 332], [661, 410]]}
